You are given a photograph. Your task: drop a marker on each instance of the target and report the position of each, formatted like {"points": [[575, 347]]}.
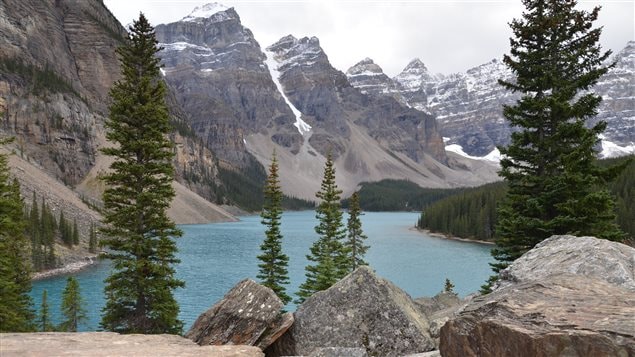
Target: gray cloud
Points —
{"points": [[449, 36]]}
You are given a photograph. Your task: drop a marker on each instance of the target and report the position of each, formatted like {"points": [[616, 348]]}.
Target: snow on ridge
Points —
{"points": [[205, 11], [180, 46], [366, 74], [611, 149], [493, 156], [272, 64]]}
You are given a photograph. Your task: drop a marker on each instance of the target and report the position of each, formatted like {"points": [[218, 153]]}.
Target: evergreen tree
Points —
{"points": [[72, 306], [44, 320], [327, 252], [273, 269], [16, 306], [448, 287], [138, 233], [75, 239], [33, 230], [354, 246], [66, 232], [92, 240], [554, 184]]}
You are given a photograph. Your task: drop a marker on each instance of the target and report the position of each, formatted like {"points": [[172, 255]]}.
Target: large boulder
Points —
{"points": [[441, 301], [361, 311], [569, 296], [107, 344], [586, 256], [439, 309], [249, 314]]}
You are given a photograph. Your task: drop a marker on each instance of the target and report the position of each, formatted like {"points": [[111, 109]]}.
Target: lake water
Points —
{"points": [[214, 257]]}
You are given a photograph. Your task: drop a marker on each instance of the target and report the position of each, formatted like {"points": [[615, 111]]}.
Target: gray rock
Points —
{"points": [[360, 311], [578, 302], [276, 329], [244, 314], [435, 353], [108, 344], [339, 352], [439, 309], [586, 256], [441, 301]]}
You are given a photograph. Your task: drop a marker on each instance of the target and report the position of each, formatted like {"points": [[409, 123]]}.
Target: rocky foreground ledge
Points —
{"points": [[108, 344]]}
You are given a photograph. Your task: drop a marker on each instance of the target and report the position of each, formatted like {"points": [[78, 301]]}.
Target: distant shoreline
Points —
{"points": [[70, 268], [449, 237]]}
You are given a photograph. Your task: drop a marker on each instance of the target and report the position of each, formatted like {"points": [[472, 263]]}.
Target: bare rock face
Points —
{"points": [[361, 311], [242, 317], [579, 302], [102, 344]]}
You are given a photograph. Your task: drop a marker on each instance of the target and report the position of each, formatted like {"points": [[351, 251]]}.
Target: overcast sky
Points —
{"points": [[448, 36]]}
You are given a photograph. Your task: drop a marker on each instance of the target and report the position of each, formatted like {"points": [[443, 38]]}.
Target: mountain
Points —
{"points": [[244, 102], [57, 64], [468, 106], [370, 79], [220, 79]]}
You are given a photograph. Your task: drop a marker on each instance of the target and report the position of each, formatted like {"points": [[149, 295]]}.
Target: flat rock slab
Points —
{"points": [[110, 344], [242, 317]]}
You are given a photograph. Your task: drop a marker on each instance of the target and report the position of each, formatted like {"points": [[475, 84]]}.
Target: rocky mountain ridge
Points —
{"points": [[244, 101], [468, 106]]}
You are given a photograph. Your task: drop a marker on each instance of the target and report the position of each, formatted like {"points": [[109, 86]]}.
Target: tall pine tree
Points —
{"points": [[554, 184], [92, 240], [327, 252], [273, 267], [72, 306], [16, 306], [354, 245], [44, 318], [75, 232], [137, 231]]}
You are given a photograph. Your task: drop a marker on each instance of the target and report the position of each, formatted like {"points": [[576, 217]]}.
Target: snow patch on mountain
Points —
{"points": [[611, 149], [493, 156], [273, 66], [207, 11], [182, 46]]}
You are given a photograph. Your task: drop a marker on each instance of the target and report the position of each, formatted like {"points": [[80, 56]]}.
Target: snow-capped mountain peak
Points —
{"points": [[293, 52], [416, 66], [414, 76], [211, 10], [365, 67]]}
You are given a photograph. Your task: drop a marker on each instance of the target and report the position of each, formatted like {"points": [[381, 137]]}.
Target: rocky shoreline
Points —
{"points": [[67, 269], [446, 236]]}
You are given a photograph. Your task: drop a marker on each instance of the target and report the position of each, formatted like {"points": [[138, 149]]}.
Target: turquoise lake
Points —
{"points": [[214, 257]]}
